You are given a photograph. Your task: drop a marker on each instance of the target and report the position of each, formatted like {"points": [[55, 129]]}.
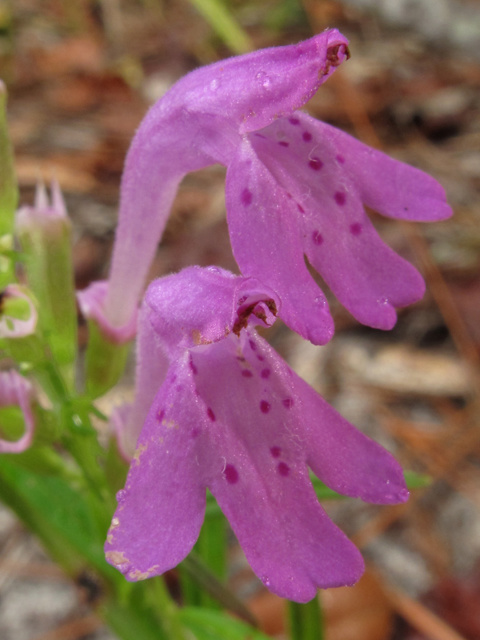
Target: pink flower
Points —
{"points": [[295, 187], [231, 415]]}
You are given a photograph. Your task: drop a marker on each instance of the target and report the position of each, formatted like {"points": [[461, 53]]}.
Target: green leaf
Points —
{"points": [[207, 624], [57, 514]]}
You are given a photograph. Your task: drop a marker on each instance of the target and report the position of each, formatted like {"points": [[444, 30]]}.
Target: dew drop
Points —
{"points": [[121, 495], [214, 84], [266, 581], [263, 79], [213, 269]]}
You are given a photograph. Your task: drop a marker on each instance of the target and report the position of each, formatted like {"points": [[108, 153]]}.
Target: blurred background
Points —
{"points": [[81, 75]]}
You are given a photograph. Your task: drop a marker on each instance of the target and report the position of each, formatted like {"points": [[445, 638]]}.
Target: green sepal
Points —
{"points": [[8, 195], [8, 182], [47, 257], [104, 362]]}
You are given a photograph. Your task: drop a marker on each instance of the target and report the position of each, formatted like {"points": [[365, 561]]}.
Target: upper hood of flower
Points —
{"points": [[180, 306]]}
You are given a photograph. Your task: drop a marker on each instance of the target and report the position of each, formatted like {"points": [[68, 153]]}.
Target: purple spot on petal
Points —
{"points": [[173, 378], [289, 195], [252, 344], [211, 415], [246, 373], [259, 357], [259, 135], [316, 164], [317, 237], [340, 198], [193, 367], [276, 451], [161, 415], [231, 474], [294, 121], [307, 136], [264, 406], [287, 403], [356, 229], [241, 358], [195, 433], [340, 159], [300, 208], [283, 469], [282, 143], [246, 197], [265, 373], [242, 300]]}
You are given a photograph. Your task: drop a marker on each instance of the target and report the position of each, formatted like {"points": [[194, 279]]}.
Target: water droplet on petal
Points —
{"points": [[214, 84], [121, 495], [213, 269], [266, 580], [263, 79]]}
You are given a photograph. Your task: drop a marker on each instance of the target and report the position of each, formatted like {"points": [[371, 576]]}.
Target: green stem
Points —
{"points": [[165, 609], [306, 620]]}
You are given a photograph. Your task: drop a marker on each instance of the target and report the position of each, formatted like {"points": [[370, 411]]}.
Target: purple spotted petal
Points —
{"points": [[92, 304], [258, 474], [267, 242], [15, 390], [368, 278], [161, 509], [392, 188], [198, 123]]}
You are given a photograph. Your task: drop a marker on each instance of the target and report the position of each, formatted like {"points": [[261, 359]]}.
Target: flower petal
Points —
{"points": [[267, 243], [386, 185], [340, 455], [17, 390], [258, 475], [161, 509], [368, 278]]}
